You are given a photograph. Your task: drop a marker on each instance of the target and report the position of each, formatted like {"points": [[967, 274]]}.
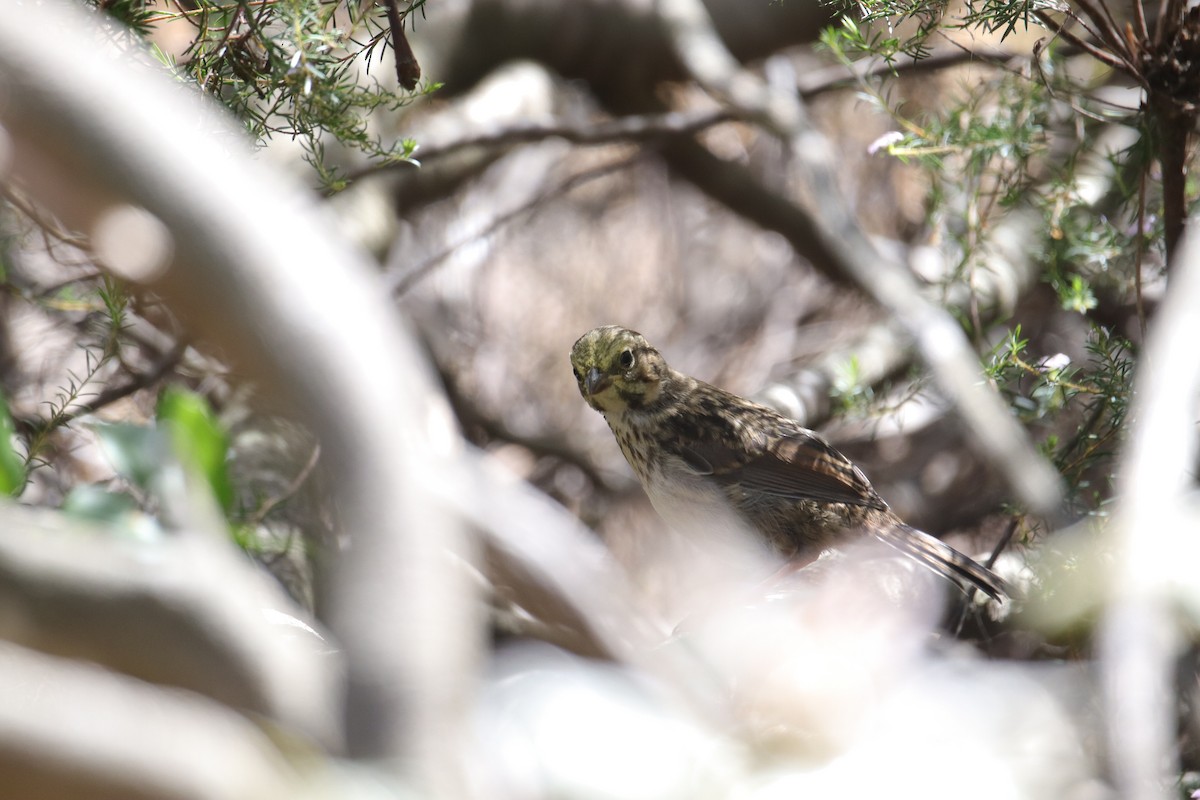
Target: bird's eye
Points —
{"points": [[626, 359], [578, 377]]}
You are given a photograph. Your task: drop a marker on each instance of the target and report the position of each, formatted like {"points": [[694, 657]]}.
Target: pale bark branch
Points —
{"points": [[150, 610], [70, 729], [1153, 570], [83, 140]]}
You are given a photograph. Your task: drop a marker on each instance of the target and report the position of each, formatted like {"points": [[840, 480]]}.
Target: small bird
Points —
{"points": [[700, 451]]}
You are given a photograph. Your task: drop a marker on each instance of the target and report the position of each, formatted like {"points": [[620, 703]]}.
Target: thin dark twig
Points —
{"points": [[638, 128], [1002, 545], [631, 129], [834, 77], [973, 592], [1139, 16], [41, 219], [238, 14], [1091, 49], [259, 20], [990, 562], [293, 486], [651, 127], [1084, 22], [470, 415], [1096, 412], [1109, 30], [401, 284], [73, 410], [51, 231], [277, 555]]}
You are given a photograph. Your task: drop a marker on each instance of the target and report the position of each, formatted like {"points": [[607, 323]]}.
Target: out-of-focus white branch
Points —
{"points": [[1156, 546], [69, 729], [248, 260], [183, 611]]}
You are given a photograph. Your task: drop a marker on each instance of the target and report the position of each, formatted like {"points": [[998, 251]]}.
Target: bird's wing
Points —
{"points": [[797, 466]]}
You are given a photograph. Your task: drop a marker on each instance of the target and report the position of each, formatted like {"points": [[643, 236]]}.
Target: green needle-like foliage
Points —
{"points": [[302, 69]]}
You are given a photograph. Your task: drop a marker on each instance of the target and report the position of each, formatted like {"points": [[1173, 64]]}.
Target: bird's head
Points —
{"points": [[617, 369]]}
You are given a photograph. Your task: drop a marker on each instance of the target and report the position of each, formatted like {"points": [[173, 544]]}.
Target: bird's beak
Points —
{"points": [[595, 381]]}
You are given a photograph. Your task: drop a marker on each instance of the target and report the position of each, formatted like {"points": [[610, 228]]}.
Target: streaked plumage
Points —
{"points": [[699, 450]]}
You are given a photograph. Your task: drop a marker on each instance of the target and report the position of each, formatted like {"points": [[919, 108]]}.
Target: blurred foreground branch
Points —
{"points": [[73, 730], [81, 142], [148, 609], [1155, 545]]}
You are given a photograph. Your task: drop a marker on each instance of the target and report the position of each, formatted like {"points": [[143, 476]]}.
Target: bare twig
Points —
{"points": [[1109, 32], [1139, 16], [1083, 44], [664, 125], [821, 81], [1009, 532], [50, 291], [402, 283], [634, 128], [39, 217], [470, 415], [271, 503]]}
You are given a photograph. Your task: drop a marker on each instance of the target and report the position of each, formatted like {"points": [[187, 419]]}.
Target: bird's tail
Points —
{"points": [[943, 559]]}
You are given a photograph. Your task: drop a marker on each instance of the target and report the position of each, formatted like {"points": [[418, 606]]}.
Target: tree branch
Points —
{"points": [[633, 128], [1155, 547], [400, 284], [149, 611], [71, 729], [332, 349], [1095, 52]]}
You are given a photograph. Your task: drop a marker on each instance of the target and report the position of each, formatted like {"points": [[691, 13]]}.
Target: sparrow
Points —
{"points": [[701, 452]]}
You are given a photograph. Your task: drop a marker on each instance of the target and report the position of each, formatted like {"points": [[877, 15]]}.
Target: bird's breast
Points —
{"points": [[689, 503]]}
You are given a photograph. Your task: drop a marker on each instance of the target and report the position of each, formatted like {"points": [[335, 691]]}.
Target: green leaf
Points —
{"points": [[12, 465], [96, 503], [117, 510], [137, 452], [198, 439]]}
